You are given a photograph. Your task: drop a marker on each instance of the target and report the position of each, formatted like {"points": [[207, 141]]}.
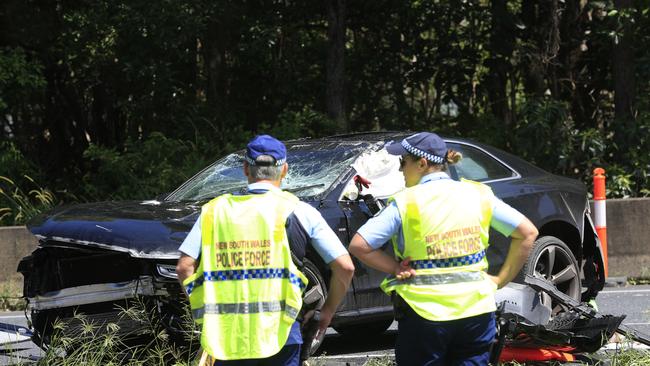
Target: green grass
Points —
{"points": [[642, 279], [629, 357], [638, 281]]}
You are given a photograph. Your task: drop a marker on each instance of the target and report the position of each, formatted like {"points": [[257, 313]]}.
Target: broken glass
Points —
{"points": [[313, 168], [226, 175]]}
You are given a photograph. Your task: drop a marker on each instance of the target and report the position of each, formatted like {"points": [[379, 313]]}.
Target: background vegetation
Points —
{"points": [[125, 99]]}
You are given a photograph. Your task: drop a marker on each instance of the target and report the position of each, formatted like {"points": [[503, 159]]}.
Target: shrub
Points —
{"points": [[546, 122], [143, 169], [302, 123]]}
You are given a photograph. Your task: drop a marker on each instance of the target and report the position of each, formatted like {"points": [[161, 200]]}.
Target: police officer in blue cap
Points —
{"points": [[236, 265], [444, 298]]}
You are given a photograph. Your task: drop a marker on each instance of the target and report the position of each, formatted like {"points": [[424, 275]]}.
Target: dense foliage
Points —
{"points": [[125, 99]]}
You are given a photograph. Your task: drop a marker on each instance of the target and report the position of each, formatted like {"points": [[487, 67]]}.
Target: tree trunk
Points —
{"points": [[573, 48], [501, 47], [624, 83], [65, 124], [552, 48], [101, 128], [335, 69], [214, 55], [533, 66]]}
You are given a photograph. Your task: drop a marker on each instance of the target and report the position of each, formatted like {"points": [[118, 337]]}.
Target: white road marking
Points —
{"points": [[622, 291], [7, 338], [357, 356]]}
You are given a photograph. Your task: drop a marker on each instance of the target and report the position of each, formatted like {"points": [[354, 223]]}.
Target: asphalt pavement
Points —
{"points": [[634, 301]]}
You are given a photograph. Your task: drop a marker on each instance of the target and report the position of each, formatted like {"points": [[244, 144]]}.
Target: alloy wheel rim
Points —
{"points": [[556, 265]]}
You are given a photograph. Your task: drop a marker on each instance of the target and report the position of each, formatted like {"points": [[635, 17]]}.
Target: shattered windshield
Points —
{"points": [[313, 168]]}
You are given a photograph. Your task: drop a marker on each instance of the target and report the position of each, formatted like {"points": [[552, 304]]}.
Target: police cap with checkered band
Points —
{"points": [[426, 145]]}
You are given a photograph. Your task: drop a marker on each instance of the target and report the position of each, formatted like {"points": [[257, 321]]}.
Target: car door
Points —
{"points": [[359, 204], [366, 280]]}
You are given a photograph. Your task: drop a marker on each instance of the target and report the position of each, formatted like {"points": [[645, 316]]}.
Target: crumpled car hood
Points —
{"points": [[144, 229]]}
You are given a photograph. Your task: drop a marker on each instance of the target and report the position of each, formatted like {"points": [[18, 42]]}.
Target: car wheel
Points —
{"points": [[314, 296], [365, 329], [552, 260]]}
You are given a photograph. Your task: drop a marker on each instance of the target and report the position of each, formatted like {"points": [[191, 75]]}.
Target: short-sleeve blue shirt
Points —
{"points": [[379, 229], [321, 237]]}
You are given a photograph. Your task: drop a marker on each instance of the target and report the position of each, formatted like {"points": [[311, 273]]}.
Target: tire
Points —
{"points": [[552, 260], [313, 297], [365, 330]]}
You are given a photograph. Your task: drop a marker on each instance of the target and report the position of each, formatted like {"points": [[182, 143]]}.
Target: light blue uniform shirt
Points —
{"points": [[322, 238], [379, 229]]}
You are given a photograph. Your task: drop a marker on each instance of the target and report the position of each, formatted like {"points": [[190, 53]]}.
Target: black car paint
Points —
{"points": [[143, 230]]}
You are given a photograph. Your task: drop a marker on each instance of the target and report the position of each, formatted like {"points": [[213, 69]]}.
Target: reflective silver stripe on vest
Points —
{"points": [[437, 279], [246, 308]]}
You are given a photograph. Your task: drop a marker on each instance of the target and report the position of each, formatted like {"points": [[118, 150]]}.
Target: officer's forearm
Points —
{"points": [[342, 272], [380, 261], [376, 259], [185, 268], [522, 242]]}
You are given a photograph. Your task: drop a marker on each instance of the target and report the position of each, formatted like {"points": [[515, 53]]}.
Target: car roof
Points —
{"points": [[520, 165]]}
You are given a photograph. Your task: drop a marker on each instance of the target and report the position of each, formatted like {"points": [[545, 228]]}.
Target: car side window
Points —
{"points": [[478, 166]]}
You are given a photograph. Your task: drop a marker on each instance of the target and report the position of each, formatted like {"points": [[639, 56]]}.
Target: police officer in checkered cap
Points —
{"points": [[443, 297], [241, 266]]}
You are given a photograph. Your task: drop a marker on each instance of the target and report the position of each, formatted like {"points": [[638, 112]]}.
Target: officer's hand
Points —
{"points": [[325, 320], [495, 279], [308, 315], [404, 269]]}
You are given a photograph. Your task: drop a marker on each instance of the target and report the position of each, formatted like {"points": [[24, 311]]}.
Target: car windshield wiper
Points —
{"points": [[211, 195], [298, 189], [244, 189]]}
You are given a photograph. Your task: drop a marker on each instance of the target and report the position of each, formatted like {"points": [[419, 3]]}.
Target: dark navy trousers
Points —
{"points": [[456, 342], [289, 355]]}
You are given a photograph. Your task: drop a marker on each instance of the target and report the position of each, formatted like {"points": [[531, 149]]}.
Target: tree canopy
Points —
{"points": [[125, 98]]}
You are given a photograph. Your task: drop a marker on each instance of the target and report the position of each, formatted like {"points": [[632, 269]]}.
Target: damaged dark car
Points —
{"points": [[93, 258]]}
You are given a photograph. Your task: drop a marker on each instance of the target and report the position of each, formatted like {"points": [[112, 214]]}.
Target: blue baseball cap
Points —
{"points": [[265, 145], [424, 144]]}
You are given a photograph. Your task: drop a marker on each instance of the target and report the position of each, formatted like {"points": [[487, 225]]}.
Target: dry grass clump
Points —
{"points": [[11, 296], [96, 344]]}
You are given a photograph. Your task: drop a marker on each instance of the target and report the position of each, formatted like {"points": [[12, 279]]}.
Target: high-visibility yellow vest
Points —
{"points": [[247, 291], [445, 234]]}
